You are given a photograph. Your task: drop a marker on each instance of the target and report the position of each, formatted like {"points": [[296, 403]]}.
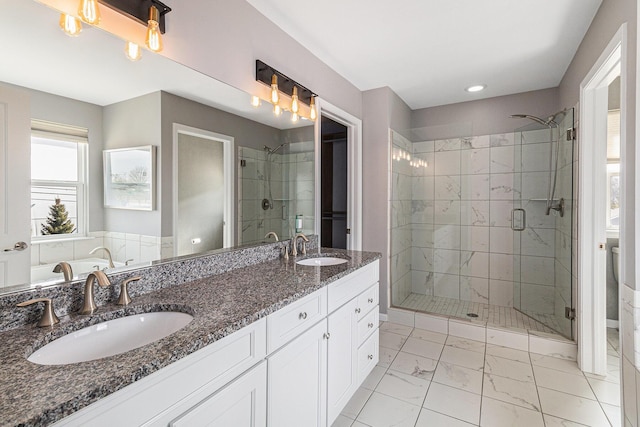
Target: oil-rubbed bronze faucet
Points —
{"points": [[89, 305], [64, 268], [49, 317], [294, 244]]}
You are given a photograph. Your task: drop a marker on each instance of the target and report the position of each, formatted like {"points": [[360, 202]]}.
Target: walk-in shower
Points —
{"points": [[276, 185], [476, 224]]}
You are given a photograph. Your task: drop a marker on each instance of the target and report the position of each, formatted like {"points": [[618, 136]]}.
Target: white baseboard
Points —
{"points": [[383, 317], [613, 323]]}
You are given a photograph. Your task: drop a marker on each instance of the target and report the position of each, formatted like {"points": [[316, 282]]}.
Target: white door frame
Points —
{"points": [[354, 164], [228, 239], [591, 316]]}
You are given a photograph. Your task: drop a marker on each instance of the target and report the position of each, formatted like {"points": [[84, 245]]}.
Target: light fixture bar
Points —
{"points": [[265, 73], [139, 10]]}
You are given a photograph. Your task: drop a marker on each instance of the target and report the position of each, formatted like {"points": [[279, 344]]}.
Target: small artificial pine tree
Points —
{"points": [[58, 222]]}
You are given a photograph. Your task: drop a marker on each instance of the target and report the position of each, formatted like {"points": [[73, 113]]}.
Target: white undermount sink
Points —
{"points": [[110, 338], [321, 261]]}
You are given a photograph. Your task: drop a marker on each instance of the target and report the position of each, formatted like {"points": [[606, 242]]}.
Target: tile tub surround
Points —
{"points": [[170, 272], [221, 304]]}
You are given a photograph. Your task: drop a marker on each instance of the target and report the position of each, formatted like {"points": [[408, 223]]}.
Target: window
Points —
{"points": [[58, 181]]}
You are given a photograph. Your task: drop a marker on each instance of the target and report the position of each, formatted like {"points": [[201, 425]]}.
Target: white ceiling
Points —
{"points": [[429, 51]]}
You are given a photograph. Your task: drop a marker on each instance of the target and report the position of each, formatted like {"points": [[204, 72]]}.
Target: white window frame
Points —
{"points": [[77, 135]]}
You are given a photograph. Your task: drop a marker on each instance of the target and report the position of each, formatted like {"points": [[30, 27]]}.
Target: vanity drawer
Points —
{"points": [[292, 320], [367, 356], [345, 289], [367, 325], [368, 300]]}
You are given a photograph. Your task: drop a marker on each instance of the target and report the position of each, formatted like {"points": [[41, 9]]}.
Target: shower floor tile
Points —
{"points": [[494, 315]]}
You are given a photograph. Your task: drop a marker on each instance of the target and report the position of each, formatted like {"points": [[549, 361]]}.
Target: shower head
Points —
{"points": [[272, 151], [534, 118]]}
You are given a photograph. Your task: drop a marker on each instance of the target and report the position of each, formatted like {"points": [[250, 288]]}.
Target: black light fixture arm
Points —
{"points": [[139, 10]]}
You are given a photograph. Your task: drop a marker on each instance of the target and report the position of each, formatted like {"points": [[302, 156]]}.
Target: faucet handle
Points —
{"points": [[49, 317], [124, 298]]}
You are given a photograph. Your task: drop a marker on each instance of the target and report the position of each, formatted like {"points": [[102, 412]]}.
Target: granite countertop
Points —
{"points": [[36, 395]]}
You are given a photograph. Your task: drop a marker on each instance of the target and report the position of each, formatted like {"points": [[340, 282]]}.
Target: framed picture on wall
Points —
{"points": [[130, 178]]}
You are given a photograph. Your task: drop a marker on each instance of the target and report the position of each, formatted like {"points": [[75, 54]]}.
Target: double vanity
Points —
{"points": [[261, 341]]}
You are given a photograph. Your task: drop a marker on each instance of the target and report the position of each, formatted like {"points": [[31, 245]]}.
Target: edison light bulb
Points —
{"points": [[154, 38], [70, 24], [275, 94], [133, 51], [277, 110], [313, 114], [255, 101], [294, 117], [89, 11], [295, 105]]}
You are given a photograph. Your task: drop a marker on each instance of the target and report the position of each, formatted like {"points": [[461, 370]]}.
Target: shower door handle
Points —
{"points": [[513, 219]]}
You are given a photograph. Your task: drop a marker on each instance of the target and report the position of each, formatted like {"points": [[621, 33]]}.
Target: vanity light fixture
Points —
{"points": [[295, 94], [154, 38], [70, 25], [132, 51], [275, 93], [255, 101], [476, 88], [115, 16], [89, 11]]}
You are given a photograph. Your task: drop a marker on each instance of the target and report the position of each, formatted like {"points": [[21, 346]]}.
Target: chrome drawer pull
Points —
{"points": [[302, 315], [326, 335], [370, 300], [370, 357], [370, 325], [358, 310]]}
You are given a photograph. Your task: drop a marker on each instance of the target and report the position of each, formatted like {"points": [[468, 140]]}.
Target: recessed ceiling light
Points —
{"points": [[476, 88]]}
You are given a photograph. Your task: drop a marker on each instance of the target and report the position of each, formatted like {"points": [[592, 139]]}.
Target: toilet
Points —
{"points": [[616, 262]]}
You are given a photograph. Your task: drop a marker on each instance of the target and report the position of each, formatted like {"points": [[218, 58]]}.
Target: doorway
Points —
{"points": [[333, 184], [595, 207], [348, 167], [203, 191]]}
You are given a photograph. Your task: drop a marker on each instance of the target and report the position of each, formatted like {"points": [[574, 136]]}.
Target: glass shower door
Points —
{"points": [[542, 264]]}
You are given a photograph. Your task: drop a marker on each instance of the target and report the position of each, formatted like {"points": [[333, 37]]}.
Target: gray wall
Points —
{"points": [[484, 116], [58, 109], [133, 123], [382, 110], [223, 39], [611, 15], [246, 133]]}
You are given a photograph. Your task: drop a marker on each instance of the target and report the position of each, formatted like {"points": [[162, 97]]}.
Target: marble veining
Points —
{"points": [[222, 303]]}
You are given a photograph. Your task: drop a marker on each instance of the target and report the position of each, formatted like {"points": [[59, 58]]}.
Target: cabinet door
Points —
{"points": [[342, 358], [243, 403], [297, 384]]}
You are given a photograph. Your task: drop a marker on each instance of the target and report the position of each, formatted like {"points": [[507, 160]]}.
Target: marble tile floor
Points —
{"points": [[494, 315], [427, 379]]}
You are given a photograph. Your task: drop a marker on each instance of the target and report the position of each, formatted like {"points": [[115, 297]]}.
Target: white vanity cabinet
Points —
{"points": [[298, 367]]}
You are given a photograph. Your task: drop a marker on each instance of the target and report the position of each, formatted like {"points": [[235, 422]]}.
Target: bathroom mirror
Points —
{"points": [[86, 83]]}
